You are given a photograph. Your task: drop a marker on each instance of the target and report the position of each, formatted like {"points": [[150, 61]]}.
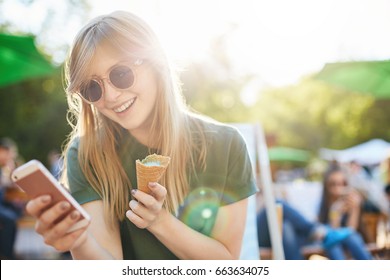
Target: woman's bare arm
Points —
{"points": [[103, 240], [90, 242], [184, 242]]}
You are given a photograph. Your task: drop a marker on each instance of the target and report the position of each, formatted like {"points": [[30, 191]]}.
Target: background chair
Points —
{"points": [[258, 153]]}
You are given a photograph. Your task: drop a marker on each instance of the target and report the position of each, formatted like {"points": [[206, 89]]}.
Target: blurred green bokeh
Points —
{"points": [[20, 60], [366, 77]]}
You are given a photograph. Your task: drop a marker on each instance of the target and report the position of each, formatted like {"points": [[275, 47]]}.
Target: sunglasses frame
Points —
{"points": [[335, 183], [100, 80]]}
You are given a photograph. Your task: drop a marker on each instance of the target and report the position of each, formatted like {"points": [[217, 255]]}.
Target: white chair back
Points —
{"points": [[258, 153]]}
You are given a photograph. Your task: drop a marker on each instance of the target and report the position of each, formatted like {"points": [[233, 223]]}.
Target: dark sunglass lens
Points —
{"points": [[122, 77], [338, 183], [92, 92]]}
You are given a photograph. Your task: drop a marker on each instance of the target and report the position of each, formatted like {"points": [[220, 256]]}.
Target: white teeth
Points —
{"points": [[124, 106]]}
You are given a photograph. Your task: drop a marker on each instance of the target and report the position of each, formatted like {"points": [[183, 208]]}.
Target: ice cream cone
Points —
{"points": [[150, 169]]}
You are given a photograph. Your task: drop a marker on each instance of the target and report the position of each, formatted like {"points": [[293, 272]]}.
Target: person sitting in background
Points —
{"points": [[387, 193], [9, 213], [56, 163], [340, 203], [298, 232]]}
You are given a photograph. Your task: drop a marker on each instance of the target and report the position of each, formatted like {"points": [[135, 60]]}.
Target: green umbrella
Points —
{"points": [[20, 60], [288, 154], [369, 77]]}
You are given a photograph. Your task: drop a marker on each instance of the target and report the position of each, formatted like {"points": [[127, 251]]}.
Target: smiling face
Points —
{"points": [[131, 108]]}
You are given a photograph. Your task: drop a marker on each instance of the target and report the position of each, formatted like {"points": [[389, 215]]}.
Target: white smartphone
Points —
{"points": [[36, 180]]}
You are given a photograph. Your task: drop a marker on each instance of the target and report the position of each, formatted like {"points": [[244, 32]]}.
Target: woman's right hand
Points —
{"points": [[53, 222], [353, 200]]}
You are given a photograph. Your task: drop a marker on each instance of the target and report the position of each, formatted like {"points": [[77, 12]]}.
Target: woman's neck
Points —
{"points": [[143, 136]]}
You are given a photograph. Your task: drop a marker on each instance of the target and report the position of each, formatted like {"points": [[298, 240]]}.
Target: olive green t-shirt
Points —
{"points": [[227, 178]]}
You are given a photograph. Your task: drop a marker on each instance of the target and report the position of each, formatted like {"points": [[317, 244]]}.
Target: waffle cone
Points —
{"points": [[146, 174]]}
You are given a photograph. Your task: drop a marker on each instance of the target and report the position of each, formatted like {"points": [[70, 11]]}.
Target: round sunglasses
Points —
{"points": [[121, 77]]}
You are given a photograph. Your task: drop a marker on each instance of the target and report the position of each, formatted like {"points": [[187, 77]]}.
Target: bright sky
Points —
{"points": [[278, 40]]}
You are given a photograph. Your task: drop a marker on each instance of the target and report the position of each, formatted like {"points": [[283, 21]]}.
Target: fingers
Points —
{"points": [[48, 217], [146, 208], [136, 220], [158, 194], [54, 221], [158, 191], [144, 212], [142, 216], [35, 206], [358, 197], [58, 235], [354, 199]]}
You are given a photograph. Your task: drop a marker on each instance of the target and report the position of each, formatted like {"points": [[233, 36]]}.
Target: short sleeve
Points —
{"points": [[240, 181], [79, 186], [227, 178]]}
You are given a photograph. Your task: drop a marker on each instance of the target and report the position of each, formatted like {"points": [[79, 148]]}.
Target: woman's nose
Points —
{"points": [[111, 93]]}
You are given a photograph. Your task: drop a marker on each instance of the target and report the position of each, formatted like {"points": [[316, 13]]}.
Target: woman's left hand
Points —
{"points": [[145, 209]]}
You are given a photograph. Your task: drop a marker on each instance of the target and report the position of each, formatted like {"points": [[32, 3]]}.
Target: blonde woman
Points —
{"points": [[126, 104]]}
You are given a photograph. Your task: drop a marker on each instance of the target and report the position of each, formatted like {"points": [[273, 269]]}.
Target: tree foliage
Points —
{"points": [[312, 115], [33, 113], [307, 115]]}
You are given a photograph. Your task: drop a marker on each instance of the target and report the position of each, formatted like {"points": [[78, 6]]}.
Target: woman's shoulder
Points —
{"points": [[218, 133], [73, 145], [215, 128], [72, 151]]}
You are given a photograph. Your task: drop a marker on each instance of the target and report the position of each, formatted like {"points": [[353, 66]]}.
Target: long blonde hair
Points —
{"points": [[177, 132]]}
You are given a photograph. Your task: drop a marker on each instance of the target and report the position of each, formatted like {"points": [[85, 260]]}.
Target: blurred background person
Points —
{"points": [[387, 192], [9, 211], [340, 205], [297, 232], [56, 163]]}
